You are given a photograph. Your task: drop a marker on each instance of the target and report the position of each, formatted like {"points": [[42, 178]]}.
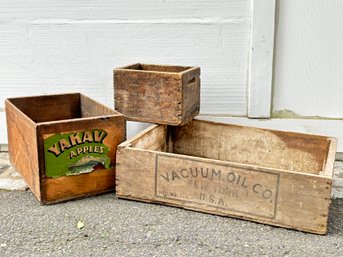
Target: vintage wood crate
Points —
{"points": [[157, 93], [64, 146], [273, 177]]}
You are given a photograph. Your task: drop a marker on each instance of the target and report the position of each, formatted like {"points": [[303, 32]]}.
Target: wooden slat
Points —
{"points": [[297, 199], [324, 127], [22, 146], [66, 188], [254, 146], [49, 108], [163, 94], [42, 118], [92, 108]]}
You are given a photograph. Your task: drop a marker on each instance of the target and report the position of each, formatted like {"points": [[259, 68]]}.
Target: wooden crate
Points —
{"points": [[273, 177], [157, 93], [64, 146]]}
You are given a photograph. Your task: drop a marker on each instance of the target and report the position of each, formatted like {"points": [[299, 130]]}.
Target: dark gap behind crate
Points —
{"points": [[59, 107], [158, 68], [246, 145]]}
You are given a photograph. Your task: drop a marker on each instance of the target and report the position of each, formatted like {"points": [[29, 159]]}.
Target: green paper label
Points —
{"points": [[75, 153]]}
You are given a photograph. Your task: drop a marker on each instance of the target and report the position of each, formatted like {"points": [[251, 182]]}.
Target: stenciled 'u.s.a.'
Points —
{"points": [[74, 153]]}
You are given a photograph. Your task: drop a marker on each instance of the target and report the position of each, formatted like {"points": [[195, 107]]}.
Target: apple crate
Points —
{"points": [[162, 94], [64, 146], [268, 176]]}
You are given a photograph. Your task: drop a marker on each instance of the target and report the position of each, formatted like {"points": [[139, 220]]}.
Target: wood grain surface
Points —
{"points": [[224, 169], [32, 119], [162, 94], [23, 146]]}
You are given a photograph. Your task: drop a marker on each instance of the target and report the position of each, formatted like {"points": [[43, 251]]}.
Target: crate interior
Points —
{"points": [[60, 107], [158, 68], [239, 144]]}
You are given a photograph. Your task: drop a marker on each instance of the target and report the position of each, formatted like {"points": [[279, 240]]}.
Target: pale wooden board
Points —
{"points": [[308, 75], [253, 146], [261, 58], [23, 150], [332, 128], [295, 199]]}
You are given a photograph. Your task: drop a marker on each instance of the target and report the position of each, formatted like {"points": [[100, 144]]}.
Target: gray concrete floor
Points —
{"points": [[115, 227]]}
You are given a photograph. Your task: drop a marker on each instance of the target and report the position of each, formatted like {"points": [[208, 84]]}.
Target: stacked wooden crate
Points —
{"points": [[70, 146], [65, 145], [273, 177]]}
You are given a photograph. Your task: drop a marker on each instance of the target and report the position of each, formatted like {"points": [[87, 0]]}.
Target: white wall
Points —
{"points": [[308, 57], [72, 46], [68, 46]]}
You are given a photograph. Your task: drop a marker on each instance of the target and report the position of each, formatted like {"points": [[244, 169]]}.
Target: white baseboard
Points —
{"points": [[3, 131]]}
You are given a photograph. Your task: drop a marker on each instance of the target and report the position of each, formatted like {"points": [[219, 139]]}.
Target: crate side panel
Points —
{"points": [[280, 198], [154, 139], [22, 147], [303, 202], [254, 146], [135, 176], [66, 185], [49, 107], [296, 201], [191, 95], [162, 68], [156, 97], [92, 108], [71, 187]]}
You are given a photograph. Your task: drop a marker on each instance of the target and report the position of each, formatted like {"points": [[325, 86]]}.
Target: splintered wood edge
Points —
{"points": [[158, 121], [195, 68], [330, 160], [129, 142], [79, 119], [174, 74], [178, 74], [37, 96]]}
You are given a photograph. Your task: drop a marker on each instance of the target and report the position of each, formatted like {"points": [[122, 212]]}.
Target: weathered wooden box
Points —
{"points": [[157, 93], [64, 146], [273, 177]]}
